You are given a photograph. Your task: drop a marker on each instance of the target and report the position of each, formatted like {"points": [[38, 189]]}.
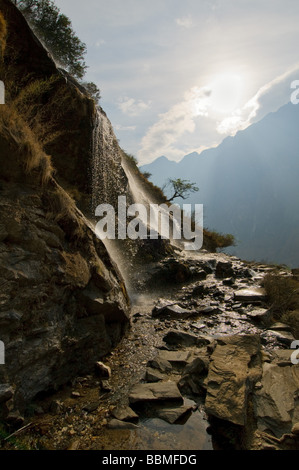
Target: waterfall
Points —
{"points": [[108, 179]]}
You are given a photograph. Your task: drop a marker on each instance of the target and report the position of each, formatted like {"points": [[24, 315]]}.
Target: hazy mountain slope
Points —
{"points": [[249, 186]]}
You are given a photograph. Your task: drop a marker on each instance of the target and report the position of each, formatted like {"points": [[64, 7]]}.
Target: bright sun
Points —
{"points": [[226, 91]]}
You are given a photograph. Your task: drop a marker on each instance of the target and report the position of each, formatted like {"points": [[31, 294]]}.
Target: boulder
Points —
{"points": [[234, 369], [224, 270], [158, 392], [276, 402]]}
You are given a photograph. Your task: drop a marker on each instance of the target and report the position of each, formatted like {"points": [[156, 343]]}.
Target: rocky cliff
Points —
{"points": [[63, 301]]}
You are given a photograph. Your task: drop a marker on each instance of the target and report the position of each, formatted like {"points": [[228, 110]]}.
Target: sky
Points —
{"points": [[180, 76]]}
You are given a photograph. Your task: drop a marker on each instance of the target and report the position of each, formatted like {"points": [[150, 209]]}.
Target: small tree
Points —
{"points": [[147, 174], [180, 188], [55, 30], [93, 91]]}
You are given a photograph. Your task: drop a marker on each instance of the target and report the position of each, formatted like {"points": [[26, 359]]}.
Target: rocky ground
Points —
{"points": [[203, 366]]}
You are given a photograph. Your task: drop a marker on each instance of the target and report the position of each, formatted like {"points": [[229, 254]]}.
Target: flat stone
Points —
{"points": [[283, 357], [181, 338], [280, 327], [125, 413], [173, 415], [260, 315], [158, 392], [179, 358], [173, 311], [283, 337], [250, 294], [153, 375]]}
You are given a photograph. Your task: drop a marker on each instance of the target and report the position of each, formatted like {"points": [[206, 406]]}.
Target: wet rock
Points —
{"points": [[105, 386], [250, 294], [276, 403], [173, 311], [153, 375], [224, 270], [230, 281], [6, 392], [15, 419], [209, 266], [199, 291], [125, 413], [181, 338], [174, 415], [91, 407], [103, 370], [199, 274], [175, 358], [160, 364], [261, 315], [193, 377], [284, 337], [280, 327], [158, 392], [234, 369], [209, 310], [121, 425]]}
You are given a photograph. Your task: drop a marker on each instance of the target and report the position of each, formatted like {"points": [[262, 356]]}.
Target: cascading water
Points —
{"points": [[108, 179]]}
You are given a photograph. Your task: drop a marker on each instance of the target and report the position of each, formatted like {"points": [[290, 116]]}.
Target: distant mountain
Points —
{"points": [[249, 186]]}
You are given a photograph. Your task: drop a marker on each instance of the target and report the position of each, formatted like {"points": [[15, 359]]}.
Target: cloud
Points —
{"points": [[267, 99], [185, 22], [163, 136], [132, 107]]}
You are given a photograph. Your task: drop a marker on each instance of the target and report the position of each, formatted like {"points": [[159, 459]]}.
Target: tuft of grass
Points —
{"points": [[282, 293], [213, 240], [63, 210], [3, 31], [13, 129]]}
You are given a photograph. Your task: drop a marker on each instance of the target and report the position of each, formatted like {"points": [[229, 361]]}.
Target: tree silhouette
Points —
{"points": [[180, 188], [55, 30]]}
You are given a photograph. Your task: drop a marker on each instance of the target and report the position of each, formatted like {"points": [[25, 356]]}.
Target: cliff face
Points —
{"points": [[63, 302]]}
